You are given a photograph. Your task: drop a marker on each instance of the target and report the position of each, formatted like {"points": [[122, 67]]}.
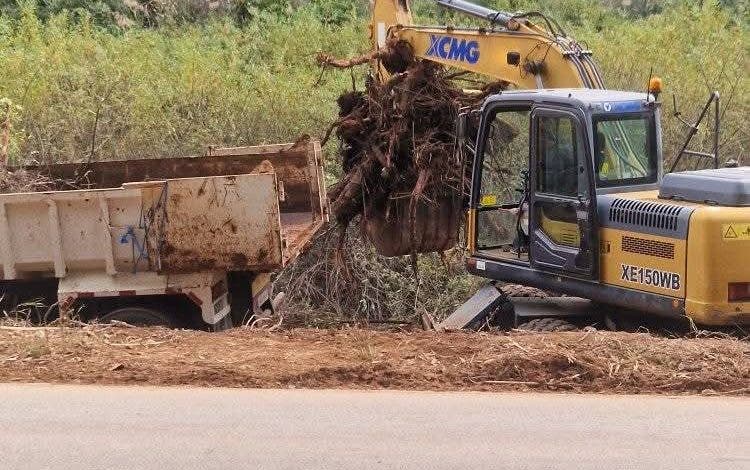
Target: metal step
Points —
{"points": [[474, 311]]}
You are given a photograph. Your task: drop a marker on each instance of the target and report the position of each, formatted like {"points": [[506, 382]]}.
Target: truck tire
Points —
{"points": [[548, 325], [139, 316]]}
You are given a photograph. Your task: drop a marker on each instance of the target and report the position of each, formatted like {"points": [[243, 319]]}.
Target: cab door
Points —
{"points": [[562, 210]]}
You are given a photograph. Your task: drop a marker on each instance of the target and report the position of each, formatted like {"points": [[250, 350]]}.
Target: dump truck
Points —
{"points": [[177, 242]]}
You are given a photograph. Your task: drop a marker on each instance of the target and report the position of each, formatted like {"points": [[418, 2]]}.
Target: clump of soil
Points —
{"points": [[402, 176]]}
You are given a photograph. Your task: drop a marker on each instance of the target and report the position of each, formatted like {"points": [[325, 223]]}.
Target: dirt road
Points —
{"points": [[79, 428], [351, 358]]}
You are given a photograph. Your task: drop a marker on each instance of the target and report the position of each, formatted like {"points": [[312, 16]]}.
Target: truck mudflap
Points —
{"points": [[207, 290]]}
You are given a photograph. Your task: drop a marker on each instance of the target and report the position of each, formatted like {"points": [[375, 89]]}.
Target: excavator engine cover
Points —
{"points": [[721, 187]]}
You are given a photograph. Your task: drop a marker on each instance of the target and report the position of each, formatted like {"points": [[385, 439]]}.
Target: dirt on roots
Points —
{"points": [[593, 361], [403, 179]]}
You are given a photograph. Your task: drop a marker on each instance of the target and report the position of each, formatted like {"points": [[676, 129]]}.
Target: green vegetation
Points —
{"points": [[79, 91], [126, 79]]}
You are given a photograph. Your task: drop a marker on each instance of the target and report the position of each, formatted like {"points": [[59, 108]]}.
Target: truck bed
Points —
{"points": [[232, 209]]}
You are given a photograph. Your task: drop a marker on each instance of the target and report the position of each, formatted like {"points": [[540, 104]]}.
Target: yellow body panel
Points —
{"points": [[471, 230], [712, 258], [493, 48], [562, 233], [642, 262], [714, 261]]}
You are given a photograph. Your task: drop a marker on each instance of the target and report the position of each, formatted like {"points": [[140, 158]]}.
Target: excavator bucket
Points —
{"points": [[434, 227]]}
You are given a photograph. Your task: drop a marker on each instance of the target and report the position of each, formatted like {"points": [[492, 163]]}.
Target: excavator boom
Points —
{"points": [[512, 49]]}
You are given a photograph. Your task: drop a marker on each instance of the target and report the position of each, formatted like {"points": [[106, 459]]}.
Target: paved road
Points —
{"points": [[70, 427]]}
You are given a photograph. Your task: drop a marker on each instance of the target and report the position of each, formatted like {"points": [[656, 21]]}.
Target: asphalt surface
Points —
{"points": [[86, 427]]}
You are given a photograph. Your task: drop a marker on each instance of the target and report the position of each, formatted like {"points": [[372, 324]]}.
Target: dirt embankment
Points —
{"points": [[581, 362]]}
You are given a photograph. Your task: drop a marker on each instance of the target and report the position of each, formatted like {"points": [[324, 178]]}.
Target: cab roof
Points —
{"points": [[578, 97]]}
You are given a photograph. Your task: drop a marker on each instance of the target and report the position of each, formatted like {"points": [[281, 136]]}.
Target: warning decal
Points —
{"points": [[735, 231]]}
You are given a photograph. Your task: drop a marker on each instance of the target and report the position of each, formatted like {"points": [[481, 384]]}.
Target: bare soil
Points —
{"points": [[599, 362]]}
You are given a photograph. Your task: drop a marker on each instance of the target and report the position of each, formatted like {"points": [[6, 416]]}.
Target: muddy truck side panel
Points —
{"points": [[185, 240]]}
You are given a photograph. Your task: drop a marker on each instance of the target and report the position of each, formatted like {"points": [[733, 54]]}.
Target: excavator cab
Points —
{"points": [[569, 196], [541, 159], [545, 162]]}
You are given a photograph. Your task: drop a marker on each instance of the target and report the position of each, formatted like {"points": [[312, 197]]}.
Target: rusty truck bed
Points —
{"points": [[232, 209]]}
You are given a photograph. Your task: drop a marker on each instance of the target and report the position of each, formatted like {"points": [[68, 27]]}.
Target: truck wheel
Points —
{"points": [[138, 316], [548, 325]]}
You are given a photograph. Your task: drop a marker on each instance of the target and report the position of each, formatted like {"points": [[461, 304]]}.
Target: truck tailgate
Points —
{"points": [[208, 226]]}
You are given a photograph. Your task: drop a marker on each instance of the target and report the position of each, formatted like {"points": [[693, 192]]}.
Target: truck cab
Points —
{"points": [[568, 194]]}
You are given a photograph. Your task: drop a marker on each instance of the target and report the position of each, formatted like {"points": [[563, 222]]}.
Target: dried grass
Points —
{"points": [[584, 362]]}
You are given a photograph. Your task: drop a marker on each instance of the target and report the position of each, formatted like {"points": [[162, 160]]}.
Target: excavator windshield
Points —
{"points": [[625, 150]]}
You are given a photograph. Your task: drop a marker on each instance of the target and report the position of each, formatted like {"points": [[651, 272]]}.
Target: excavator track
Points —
{"points": [[517, 290], [548, 325]]}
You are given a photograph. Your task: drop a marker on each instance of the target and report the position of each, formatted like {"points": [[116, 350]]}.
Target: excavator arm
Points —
{"points": [[512, 48]]}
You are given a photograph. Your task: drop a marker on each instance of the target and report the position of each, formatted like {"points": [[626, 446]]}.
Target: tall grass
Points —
{"points": [[77, 91], [695, 50], [84, 93]]}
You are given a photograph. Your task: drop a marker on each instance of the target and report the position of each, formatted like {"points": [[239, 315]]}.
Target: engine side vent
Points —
{"points": [[648, 247], [645, 214]]}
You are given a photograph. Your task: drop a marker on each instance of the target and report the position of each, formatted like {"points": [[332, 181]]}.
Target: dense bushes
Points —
{"points": [[78, 89], [86, 93]]}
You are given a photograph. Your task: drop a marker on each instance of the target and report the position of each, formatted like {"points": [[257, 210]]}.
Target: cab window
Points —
{"points": [[504, 173], [558, 156], [506, 157], [560, 173], [625, 150]]}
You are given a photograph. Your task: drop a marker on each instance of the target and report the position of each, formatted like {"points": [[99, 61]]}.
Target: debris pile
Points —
{"points": [[584, 361], [33, 180], [401, 172], [24, 181]]}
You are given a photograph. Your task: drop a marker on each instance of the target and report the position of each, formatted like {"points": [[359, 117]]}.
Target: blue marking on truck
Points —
{"points": [[450, 48]]}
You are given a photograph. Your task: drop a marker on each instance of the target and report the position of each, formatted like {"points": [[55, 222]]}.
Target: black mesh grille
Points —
{"points": [[648, 247], [645, 214]]}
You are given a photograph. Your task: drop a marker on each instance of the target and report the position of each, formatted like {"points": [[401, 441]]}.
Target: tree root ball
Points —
{"points": [[402, 176]]}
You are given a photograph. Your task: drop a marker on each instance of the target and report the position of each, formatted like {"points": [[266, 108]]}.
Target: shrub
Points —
{"points": [[88, 94]]}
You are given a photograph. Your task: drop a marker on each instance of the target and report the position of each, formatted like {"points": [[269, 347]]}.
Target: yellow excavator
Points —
{"points": [[578, 202]]}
